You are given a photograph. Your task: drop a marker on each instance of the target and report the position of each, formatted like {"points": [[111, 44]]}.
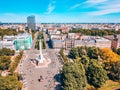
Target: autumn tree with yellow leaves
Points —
{"points": [[108, 56]]}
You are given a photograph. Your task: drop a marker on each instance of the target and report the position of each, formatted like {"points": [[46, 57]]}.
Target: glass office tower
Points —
{"points": [[31, 24]]}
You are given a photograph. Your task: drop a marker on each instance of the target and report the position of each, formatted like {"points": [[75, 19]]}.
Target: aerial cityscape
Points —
{"points": [[60, 45]]}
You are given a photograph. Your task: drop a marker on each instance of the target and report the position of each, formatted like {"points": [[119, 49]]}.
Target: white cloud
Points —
{"points": [[51, 7], [75, 6], [88, 3], [95, 1], [103, 7], [107, 8], [106, 11]]}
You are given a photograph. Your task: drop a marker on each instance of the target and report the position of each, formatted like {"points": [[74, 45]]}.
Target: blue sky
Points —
{"points": [[82, 11]]}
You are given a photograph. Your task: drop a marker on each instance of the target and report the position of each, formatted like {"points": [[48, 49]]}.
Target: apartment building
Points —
{"points": [[8, 42], [115, 40], [96, 41]]}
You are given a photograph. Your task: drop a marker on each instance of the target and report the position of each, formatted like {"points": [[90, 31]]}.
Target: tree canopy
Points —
{"points": [[9, 32], [115, 71], [4, 62], [9, 83], [74, 77], [108, 55], [118, 51], [7, 52], [85, 61], [94, 32], [96, 75], [93, 52]]}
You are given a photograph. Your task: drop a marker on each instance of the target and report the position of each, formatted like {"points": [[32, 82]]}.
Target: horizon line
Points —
{"points": [[58, 22]]}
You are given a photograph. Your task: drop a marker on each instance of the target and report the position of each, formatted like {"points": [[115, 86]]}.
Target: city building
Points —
{"points": [[8, 42], [23, 41], [8, 38], [57, 40], [57, 43], [51, 31], [91, 41], [115, 40], [76, 40], [31, 22], [74, 36], [69, 43]]}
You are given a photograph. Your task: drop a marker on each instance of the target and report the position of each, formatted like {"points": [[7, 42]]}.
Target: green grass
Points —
{"points": [[109, 85]]}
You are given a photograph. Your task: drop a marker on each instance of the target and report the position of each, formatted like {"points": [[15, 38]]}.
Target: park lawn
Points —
{"points": [[109, 85]]}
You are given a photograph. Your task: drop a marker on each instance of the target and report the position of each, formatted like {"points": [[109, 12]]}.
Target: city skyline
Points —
{"points": [[55, 11]]}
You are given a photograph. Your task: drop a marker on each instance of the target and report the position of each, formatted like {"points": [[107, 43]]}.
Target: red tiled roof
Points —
{"points": [[51, 29]]}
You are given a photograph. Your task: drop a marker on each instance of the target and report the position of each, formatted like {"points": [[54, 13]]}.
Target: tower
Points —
{"points": [[31, 22]]}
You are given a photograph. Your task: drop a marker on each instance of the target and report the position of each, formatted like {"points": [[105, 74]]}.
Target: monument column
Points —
{"points": [[40, 58]]}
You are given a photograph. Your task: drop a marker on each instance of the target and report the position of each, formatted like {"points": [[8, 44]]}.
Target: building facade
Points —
{"points": [[91, 41], [23, 41], [31, 24], [115, 40], [7, 42]]}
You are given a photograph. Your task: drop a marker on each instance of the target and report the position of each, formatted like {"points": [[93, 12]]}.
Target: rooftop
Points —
{"points": [[22, 36]]}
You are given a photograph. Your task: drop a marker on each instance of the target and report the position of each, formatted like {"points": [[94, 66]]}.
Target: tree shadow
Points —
{"points": [[58, 81], [49, 44]]}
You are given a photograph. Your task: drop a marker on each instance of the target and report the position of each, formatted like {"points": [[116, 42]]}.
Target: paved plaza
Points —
{"points": [[31, 74], [49, 70]]}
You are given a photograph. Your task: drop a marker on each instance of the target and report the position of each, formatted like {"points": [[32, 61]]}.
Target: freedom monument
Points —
{"points": [[40, 58]]}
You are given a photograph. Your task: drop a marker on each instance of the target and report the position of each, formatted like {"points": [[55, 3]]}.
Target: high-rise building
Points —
{"points": [[31, 22]]}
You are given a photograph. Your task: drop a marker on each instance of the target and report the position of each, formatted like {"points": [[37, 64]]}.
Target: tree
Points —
{"points": [[43, 44], [4, 62], [69, 82], [85, 61], [82, 51], [96, 75], [118, 51], [6, 51], [64, 57], [14, 64], [93, 52], [73, 53], [73, 76], [9, 83], [108, 56], [95, 32], [9, 32], [115, 71]]}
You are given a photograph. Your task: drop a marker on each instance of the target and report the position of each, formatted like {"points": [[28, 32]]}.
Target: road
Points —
{"points": [[35, 40], [50, 74]]}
